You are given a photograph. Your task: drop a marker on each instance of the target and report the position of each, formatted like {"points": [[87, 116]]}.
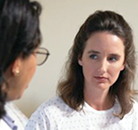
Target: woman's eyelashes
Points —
{"points": [[112, 59], [93, 56]]}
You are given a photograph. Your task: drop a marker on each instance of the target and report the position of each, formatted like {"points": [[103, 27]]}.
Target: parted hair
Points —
{"points": [[71, 87], [19, 35]]}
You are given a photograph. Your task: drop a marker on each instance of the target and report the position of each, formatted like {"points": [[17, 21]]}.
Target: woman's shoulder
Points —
{"points": [[54, 105], [135, 105], [47, 113], [134, 111], [55, 102]]}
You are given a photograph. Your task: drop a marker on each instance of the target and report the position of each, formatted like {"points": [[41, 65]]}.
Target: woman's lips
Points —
{"points": [[101, 79]]}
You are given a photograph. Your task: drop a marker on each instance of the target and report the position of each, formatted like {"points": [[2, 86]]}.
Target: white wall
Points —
{"points": [[60, 21]]}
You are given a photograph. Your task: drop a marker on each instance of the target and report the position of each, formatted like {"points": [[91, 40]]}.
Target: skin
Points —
{"points": [[102, 61], [18, 83]]}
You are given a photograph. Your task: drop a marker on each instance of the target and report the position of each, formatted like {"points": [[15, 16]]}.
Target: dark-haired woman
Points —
{"points": [[19, 52], [96, 93]]}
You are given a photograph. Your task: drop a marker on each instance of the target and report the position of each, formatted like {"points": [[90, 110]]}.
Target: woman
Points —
{"points": [[19, 47], [96, 93]]}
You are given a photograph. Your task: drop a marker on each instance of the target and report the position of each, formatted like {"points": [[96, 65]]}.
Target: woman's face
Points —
{"points": [[17, 84], [102, 60]]}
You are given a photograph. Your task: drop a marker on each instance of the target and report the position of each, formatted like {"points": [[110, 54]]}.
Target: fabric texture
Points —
{"points": [[19, 119], [56, 115]]}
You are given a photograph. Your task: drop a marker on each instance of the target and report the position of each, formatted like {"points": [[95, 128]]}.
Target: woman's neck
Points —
{"points": [[98, 99]]}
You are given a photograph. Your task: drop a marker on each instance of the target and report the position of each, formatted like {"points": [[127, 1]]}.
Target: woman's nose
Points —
{"points": [[103, 65]]}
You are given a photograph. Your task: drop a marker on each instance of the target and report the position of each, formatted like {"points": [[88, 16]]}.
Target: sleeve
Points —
{"points": [[38, 121]]}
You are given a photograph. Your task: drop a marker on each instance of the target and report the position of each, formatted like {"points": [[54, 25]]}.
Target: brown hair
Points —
{"points": [[70, 89]]}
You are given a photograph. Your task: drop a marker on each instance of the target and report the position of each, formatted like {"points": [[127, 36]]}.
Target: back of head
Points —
{"points": [[19, 35]]}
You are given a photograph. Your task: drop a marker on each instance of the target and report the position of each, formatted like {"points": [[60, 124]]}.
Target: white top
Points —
{"points": [[15, 114], [56, 115]]}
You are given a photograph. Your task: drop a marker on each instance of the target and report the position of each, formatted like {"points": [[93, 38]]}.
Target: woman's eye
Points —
{"points": [[93, 56], [113, 59]]}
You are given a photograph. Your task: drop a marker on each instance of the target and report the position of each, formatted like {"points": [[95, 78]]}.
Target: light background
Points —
{"points": [[60, 21]]}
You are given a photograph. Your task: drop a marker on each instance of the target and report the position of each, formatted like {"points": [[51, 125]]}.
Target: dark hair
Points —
{"points": [[19, 35], [71, 88]]}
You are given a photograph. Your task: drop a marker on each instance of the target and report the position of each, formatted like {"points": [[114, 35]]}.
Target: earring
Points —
{"points": [[16, 72]]}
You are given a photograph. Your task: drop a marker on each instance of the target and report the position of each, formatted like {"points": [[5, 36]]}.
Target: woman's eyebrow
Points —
{"points": [[93, 51], [115, 54]]}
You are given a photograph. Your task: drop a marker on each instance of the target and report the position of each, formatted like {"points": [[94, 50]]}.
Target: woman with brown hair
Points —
{"points": [[96, 93]]}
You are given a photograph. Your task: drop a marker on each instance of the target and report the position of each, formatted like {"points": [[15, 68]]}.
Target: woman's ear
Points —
{"points": [[15, 67], [80, 60], [123, 66]]}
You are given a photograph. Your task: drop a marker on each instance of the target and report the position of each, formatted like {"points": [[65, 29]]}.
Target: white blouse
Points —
{"points": [[20, 120], [56, 115]]}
